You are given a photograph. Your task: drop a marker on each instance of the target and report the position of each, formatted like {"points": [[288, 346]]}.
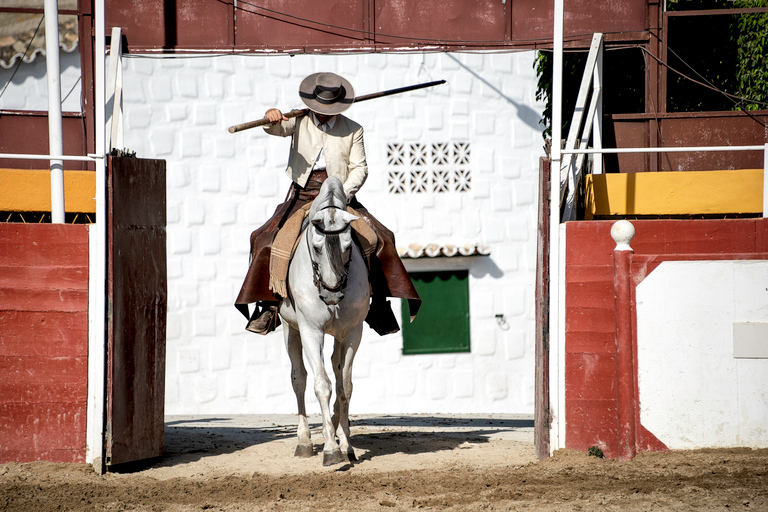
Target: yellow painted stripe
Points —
{"points": [[675, 193], [24, 190]]}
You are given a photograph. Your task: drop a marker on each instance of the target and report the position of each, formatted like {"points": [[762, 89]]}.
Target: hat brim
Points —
{"points": [[307, 95]]}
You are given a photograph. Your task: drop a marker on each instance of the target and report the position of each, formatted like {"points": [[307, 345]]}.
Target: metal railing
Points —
{"points": [[583, 127]]}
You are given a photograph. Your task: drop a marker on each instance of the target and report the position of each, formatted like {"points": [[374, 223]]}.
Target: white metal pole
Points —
{"points": [[556, 394], [97, 264], [55, 137]]}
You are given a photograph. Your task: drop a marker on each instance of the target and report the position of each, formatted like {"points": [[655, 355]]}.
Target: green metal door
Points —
{"points": [[442, 324]]}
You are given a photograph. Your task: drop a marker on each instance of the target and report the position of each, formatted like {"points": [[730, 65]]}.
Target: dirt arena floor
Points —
{"points": [[415, 462]]}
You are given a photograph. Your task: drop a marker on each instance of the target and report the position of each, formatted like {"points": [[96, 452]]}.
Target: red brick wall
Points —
{"points": [[590, 350], [43, 342]]}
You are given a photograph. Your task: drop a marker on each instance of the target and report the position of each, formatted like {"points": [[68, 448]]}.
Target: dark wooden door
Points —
{"points": [[136, 309], [542, 415]]}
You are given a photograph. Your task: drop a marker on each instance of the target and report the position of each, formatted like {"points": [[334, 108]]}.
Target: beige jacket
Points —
{"points": [[342, 146]]}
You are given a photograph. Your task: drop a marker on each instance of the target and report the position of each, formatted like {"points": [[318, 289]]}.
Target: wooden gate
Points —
{"points": [[541, 408], [137, 297]]}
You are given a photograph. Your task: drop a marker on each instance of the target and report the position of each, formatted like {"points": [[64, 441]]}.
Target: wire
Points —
{"points": [[742, 100], [72, 89], [707, 85], [18, 64], [653, 105], [712, 87]]}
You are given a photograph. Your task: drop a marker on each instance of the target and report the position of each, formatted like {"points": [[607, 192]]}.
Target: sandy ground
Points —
{"points": [[412, 462]]}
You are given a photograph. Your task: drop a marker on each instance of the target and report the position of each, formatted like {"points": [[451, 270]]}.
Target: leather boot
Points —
{"points": [[381, 318], [265, 321]]}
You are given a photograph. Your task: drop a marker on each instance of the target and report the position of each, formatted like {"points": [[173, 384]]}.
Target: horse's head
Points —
{"points": [[330, 241]]}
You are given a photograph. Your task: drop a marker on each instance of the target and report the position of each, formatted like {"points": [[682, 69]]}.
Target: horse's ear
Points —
{"points": [[348, 217]]}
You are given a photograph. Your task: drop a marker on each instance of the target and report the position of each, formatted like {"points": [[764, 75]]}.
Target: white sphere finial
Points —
{"points": [[622, 233]]}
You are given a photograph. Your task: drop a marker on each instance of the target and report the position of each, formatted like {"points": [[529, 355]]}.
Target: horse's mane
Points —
{"points": [[335, 257]]}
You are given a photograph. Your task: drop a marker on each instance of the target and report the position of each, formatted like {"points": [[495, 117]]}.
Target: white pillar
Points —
{"points": [[97, 263], [55, 137], [556, 355]]}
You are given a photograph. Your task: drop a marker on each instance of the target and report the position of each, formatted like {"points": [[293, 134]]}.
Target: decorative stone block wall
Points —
{"points": [[457, 164]]}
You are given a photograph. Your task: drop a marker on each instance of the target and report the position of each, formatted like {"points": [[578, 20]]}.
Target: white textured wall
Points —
{"points": [[28, 88], [222, 186], [693, 392]]}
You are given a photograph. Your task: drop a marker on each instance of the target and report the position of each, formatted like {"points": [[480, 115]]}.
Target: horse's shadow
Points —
{"points": [[189, 440], [427, 434]]}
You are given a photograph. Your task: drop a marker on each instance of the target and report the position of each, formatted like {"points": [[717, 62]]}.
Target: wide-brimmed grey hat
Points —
{"points": [[326, 93]]}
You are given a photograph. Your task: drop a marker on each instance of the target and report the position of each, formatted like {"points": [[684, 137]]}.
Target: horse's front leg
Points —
{"points": [[299, 382], [312, 343], [344, 351]]}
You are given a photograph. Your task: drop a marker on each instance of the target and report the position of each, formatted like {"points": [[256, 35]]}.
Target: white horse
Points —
{"points": [[328, 292]]}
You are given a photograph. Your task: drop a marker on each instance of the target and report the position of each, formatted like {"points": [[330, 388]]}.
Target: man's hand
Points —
{"points": [[275, 116]]}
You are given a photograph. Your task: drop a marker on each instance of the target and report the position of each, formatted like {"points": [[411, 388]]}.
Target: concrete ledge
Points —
{"points": [[675, 193], [30, 191]]}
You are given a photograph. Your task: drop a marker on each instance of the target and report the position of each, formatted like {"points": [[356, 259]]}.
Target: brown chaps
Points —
{"points": [[388, 276]]}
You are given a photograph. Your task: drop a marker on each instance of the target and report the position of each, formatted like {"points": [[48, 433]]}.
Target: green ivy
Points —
{"points": [[752, 68]]}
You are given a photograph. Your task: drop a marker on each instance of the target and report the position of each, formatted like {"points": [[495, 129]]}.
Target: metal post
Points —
{"points": [[557, 382], [55, 137]]}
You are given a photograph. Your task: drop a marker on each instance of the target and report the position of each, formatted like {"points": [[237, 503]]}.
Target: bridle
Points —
{"points": [[316, 275]]}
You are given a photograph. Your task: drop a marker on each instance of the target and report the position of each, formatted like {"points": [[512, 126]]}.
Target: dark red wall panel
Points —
{"points": [[27, 133], [430, 22], [689, 129], [160, 24], [532, 19], [307, 25], [50, 333], [52, 432], [43, 342], [277, 24]]}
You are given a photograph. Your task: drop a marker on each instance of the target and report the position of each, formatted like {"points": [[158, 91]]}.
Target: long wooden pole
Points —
{"points": [[305, 111]]}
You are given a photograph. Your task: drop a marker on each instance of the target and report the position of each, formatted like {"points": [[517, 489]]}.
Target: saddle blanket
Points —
{"points": [[287, 239]]}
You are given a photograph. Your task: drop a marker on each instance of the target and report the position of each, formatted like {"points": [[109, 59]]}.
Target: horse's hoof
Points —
{"points": [[334, 457], [304, 451], [350, 456]]}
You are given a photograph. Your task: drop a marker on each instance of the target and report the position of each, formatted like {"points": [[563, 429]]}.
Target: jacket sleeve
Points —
{"points": [[358, 168], [282, 129]]}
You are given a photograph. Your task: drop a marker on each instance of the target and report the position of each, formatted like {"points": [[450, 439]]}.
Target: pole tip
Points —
{"points": [[232, 129]]}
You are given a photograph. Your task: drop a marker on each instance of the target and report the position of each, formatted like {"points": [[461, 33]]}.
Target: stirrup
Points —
{"points": [[266, 322]]}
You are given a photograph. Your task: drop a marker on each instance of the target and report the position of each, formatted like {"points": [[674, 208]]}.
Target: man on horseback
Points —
{"points": [[324, 143]]}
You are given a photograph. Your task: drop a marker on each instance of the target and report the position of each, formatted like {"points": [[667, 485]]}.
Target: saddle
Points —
{"points": [[287, 240]]}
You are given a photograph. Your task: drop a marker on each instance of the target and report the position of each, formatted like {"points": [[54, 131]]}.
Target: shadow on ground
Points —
{"points": [[190, 439]]}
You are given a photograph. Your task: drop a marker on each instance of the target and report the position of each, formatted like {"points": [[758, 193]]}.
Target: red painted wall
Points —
{"points": [[590, 349], [43, 342]]}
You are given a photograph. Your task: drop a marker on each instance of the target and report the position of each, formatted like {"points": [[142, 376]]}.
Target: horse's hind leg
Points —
{"points": [[344, 351], [299, 382]]}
